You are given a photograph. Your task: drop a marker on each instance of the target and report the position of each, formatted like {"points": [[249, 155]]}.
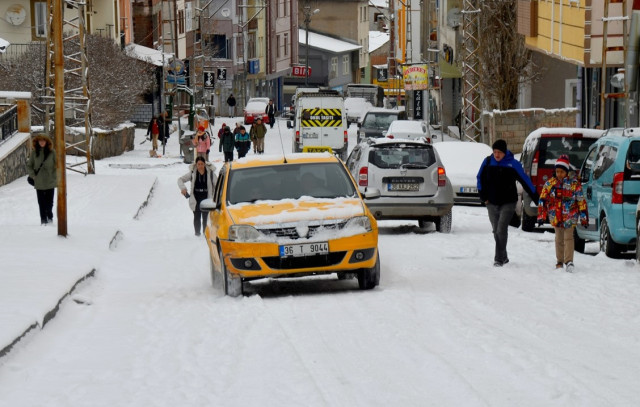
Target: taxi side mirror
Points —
{"points": [[207, 205]]}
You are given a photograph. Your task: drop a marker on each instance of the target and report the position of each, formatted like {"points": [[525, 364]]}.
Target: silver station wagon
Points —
{"points": [[411, 179]]}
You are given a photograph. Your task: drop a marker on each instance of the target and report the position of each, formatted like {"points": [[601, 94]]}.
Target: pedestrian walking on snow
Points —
{"points": [[257, 133], [202, 142], [41, 167], [496, 181], [227, 144], [270, 111], [153, 132], [231, 102], [202, 176], [561, 201], [243, 142]]}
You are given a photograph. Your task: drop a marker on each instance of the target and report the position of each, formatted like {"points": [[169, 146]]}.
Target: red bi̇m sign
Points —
{"points": [[300, 71]]}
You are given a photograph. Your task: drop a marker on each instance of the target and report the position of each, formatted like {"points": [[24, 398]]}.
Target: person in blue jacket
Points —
{"points": [[497, 179]]}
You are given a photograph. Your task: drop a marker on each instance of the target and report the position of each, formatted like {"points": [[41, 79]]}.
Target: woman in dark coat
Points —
{"points": [[41, 167]]}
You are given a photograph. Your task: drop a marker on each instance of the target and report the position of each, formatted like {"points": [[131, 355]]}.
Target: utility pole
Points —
{"points": [[307, 20], [58, 50]]}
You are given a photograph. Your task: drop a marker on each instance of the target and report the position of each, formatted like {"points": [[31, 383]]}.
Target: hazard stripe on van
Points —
{"points": [[321, 118]]}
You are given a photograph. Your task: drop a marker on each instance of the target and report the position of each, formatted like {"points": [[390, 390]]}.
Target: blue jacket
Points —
{"points": [[497, 180]]}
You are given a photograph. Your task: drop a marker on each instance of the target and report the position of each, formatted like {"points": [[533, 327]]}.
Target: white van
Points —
{"points": [[320, 123]]}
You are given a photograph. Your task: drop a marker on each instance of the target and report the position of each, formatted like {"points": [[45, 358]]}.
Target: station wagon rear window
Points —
{"points": [[406, 155]]}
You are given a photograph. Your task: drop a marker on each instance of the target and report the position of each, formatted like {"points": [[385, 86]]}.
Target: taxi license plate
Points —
{"points": [[468, 190], [305, 249], [319, 149], [403, 187]]}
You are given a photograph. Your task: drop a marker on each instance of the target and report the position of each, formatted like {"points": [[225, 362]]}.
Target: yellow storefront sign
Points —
{"points": [[416, 77]]}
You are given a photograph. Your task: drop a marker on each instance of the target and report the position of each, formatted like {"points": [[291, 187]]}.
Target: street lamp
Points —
{"points": [[307, 20]]}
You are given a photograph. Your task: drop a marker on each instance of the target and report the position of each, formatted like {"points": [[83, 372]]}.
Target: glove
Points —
{"points": [[584, 223], [540, 222]]}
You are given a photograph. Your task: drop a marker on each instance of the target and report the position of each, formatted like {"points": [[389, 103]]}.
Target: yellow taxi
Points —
{"points": [[289, 216]]}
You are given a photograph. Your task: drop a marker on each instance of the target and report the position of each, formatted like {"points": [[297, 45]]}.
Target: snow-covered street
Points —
{"points": [[444, 328]]}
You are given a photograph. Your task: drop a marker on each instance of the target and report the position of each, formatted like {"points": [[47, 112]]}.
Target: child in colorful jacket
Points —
{"points": [[562, 202]]}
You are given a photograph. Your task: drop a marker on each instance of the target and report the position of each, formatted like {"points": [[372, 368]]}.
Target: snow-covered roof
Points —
{"points": [[379, 3], [146, 54], [377, 39], [325, 42]]}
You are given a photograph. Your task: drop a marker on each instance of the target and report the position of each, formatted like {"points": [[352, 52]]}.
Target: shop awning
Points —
{"points": [[448, 70]]}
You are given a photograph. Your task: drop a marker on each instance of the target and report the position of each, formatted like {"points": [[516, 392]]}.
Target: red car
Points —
{"points": [[256, 108]]}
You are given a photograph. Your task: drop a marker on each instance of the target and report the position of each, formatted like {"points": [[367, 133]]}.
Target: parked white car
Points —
{"points": [[356, 109], [462, 160], [409, 129]]}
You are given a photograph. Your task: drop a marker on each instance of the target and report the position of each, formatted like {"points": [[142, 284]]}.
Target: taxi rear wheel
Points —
{"points": [[232, 285], [369, 278]]}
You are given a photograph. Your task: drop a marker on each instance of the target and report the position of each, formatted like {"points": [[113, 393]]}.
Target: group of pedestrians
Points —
{"points": [[158, 131], [560, 201]]}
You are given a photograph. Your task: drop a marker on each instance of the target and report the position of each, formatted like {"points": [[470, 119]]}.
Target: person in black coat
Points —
{"points": [[496, 181], [231, 101], [270, 111]]}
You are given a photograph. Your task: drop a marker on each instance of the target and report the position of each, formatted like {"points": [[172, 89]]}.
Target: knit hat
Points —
{"points": [[227, 128], [500, 145], [201, 128], [563, 162]]}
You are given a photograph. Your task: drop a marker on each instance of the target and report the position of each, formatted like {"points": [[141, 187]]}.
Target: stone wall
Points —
{"points": [[13, 158], [106, 143], [514, 126]]}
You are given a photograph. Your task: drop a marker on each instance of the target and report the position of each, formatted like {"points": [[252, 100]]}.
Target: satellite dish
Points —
{"points": [[225, 12]]}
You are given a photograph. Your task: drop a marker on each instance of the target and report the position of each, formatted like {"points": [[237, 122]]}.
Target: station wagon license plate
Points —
{"points": [[413, 186], [468, 190], [305, 249]]}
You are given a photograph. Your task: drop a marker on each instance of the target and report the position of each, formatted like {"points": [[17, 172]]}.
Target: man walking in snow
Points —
{"points": [[497, 179], [231, 101]]}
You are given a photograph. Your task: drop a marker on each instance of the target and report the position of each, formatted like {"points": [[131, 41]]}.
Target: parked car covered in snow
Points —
{"points": [[462, 160], [408, 129], [356, 109], [255, 108]]}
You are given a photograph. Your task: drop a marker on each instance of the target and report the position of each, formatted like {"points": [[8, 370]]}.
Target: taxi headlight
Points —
{"points": [[360, 221], [243, 233]]}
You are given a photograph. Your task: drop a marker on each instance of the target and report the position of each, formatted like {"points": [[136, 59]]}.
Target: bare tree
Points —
{"points": [[117, 82], [505, 62]]}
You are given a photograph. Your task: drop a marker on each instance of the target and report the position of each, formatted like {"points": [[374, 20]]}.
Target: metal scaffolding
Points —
{"points": [[77, 100], [471, 102]]}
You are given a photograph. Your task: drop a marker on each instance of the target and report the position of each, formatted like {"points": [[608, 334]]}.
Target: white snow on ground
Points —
{"points": [[444, 328]]}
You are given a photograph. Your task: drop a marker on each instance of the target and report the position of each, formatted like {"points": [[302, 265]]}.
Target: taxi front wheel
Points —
{"points": [[369, 278], [232, 285]]}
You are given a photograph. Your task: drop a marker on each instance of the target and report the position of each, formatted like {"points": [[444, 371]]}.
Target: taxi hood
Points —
{"points": [[295, 210]]}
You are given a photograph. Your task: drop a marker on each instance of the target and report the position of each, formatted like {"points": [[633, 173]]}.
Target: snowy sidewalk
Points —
{"points": [[34, 253]]}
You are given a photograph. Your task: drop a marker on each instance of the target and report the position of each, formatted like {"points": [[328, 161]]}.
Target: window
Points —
{"points": [[180, 21], [345, 64], [40, 19], [216, 45], [252, 45], [286, 44], [334, 65], [606, 157], [278, 45]]}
